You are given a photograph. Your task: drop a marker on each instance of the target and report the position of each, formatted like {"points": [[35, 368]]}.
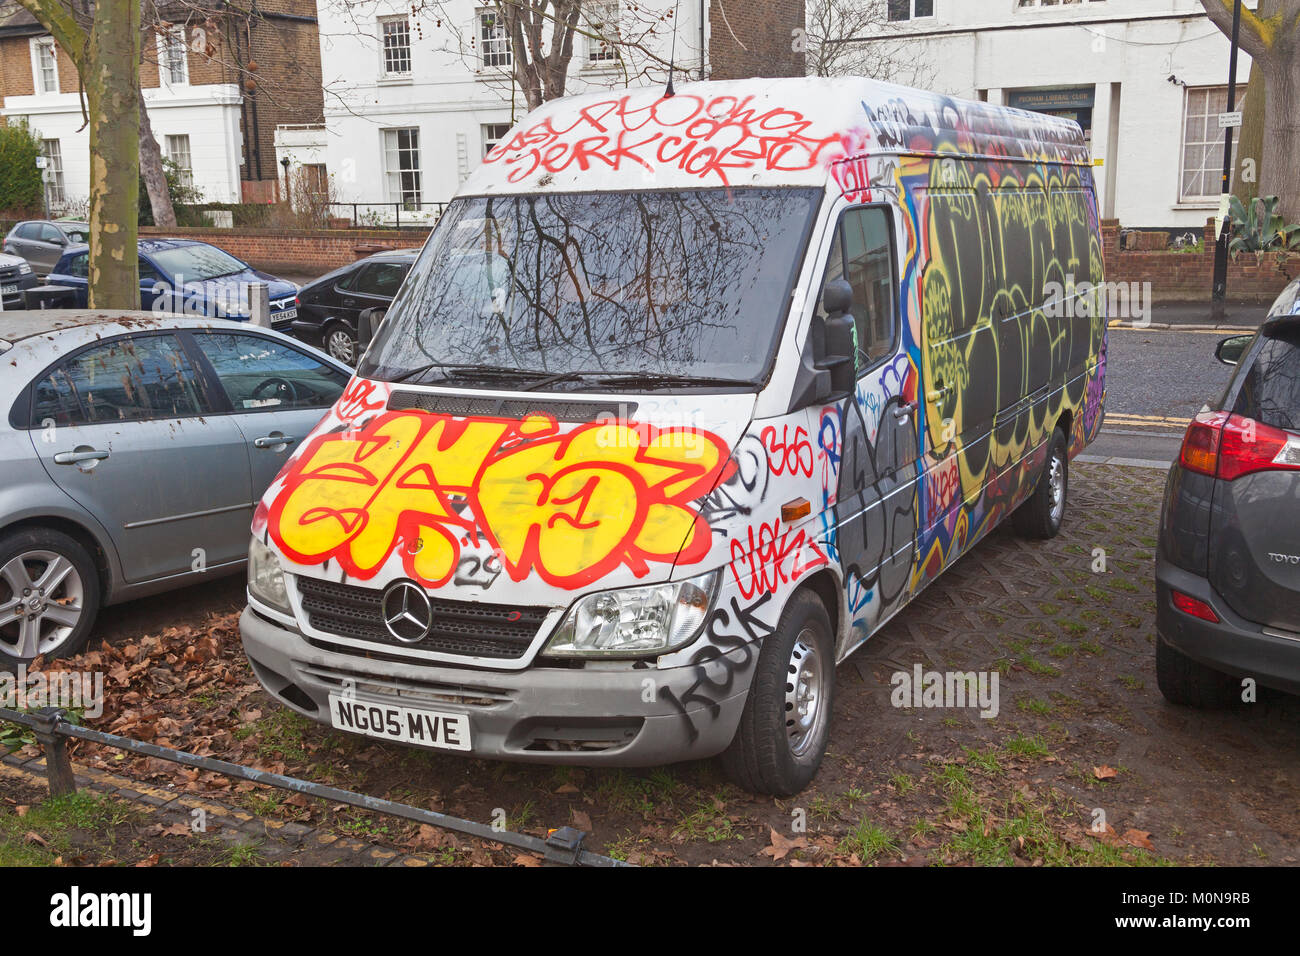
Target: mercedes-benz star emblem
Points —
{"points": [[408, 615]]}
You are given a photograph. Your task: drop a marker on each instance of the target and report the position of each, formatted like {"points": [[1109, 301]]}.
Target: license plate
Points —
{"points": [[8, 289], [286, 315], [408, 725]]}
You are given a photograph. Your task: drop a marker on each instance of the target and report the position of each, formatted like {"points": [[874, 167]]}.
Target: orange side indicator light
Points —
{"points": [[796, 509]]}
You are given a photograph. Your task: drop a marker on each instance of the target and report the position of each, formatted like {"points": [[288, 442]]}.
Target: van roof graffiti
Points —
{"points": [[757, 132]]}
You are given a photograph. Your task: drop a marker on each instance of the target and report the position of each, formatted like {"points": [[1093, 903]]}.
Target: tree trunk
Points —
{"points": [[1279, 173], [151, 170], [1250, 146], [112, 79]]}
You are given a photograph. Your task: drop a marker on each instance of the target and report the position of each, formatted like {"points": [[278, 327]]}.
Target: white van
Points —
{"points": [[684, 398]]}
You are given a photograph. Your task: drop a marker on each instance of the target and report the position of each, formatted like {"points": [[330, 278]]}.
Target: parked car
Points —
{"points": [[1228, 564], [132, 451], [188, 278], [328, 308], [707, 433], [16, 274], [43, 241]]}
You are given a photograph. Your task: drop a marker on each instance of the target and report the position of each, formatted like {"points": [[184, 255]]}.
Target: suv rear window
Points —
{"points": [[1270, 391]]}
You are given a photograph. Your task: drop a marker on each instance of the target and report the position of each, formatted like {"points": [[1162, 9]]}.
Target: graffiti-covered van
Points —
{"points": [[684, 398]]}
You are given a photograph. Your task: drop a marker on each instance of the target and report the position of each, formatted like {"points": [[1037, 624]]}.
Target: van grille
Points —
{"points": [[467, 628]]}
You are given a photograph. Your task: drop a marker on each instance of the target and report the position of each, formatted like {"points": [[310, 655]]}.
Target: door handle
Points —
{"points": [[934, 395], [271, 441], [80, 455], [904, 409]]}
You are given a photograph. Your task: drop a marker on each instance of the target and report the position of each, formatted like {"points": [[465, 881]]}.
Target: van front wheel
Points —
{"points": [[786, 721], [1042, 514]]}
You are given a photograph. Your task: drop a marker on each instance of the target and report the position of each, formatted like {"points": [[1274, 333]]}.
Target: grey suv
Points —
{"points": [[1228, 565], [133, 448]]}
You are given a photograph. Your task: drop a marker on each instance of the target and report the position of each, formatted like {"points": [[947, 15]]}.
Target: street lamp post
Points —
{"points": [[1220, 291], [285, 164]]}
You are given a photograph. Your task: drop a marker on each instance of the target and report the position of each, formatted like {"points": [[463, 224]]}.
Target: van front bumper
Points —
{"points": [[559, 715]]}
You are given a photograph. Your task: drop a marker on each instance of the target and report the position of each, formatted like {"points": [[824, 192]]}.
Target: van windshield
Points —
{"points": [[599, 290]]}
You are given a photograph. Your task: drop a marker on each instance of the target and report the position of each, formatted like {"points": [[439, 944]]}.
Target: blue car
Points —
{"points": [[188, 278]]}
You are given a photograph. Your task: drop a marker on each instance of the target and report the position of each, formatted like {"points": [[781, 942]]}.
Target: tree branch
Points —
{"points": [[62, 24], [1257, 35]]}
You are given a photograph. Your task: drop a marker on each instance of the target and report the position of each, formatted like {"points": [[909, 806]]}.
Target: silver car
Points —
{"points": [[42, 241], [133, 447]]}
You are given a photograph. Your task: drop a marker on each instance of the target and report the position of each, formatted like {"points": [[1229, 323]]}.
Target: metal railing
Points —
{"points": [[388, 215], [52, 729]]}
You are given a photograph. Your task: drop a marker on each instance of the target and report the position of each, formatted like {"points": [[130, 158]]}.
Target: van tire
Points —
{"points": [[769, 754], [1041, 516], [35, 549], [1192, 684]]}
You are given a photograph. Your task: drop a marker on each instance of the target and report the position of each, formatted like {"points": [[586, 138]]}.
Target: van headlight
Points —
{"points": [[635, 622], [265, 578]]}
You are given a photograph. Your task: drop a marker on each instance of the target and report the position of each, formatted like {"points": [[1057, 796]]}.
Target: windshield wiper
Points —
{"points": [[657, 380], [488, 372]]}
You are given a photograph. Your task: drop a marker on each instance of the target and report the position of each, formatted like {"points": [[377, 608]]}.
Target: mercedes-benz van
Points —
{"points": [[684, 398]]}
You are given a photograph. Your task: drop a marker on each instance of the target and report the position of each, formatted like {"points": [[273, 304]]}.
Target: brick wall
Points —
{"points": [[298, 251], [754, 38], [1188, 276], [15, 67]]}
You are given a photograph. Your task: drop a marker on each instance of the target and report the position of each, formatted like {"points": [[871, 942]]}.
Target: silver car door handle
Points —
{"points": [[903, 410], [75, 457], [270, 441]]}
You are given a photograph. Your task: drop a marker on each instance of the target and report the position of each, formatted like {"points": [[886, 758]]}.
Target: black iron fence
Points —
{"points": [[387, 215], [53, 729]]}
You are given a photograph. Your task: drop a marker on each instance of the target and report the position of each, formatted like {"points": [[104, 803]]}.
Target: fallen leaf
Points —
{"points": [[1138, 838], [1104, 772], [781, 846]]}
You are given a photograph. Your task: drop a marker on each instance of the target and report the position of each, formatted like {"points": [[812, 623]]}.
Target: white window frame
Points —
{"points": [[171, 148], [495, 51], [1215, 146], [598, 20], [166, 65], [393, 190], [384, 71], [55, 188], [38, 44], [911, 12], [488, 139]]}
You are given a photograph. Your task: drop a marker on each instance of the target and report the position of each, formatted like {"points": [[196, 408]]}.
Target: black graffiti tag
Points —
{"points": [[708, 692]]}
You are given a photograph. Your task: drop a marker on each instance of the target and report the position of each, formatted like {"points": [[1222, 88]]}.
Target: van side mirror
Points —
{"points": [[368, 323], [840, 353], [1230, 350]]}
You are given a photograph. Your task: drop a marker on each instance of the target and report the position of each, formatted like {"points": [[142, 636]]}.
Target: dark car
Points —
{"points": [[328, 308], [42, 242], [1228, 564], [15, 276], [188, 278]]}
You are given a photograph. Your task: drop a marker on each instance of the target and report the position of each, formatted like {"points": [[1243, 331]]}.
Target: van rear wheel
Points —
{"points": [[786, 721], [1042, 514], [1190, 683]]}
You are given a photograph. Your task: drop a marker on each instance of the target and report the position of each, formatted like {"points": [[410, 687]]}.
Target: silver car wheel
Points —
{"points": [[341, 345], [41, 600], [805, 694], [1056, 484]]}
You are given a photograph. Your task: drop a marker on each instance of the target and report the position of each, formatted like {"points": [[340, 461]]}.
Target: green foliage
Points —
{"points": [[20, 180], [181, 194], [1259, 227]]}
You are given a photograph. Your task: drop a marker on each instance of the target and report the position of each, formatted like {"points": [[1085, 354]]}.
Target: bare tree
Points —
{"points": [[857, 38], [528, 46], [1271, 35]]}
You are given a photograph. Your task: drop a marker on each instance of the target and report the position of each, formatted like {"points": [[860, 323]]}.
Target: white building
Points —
{"points": [[1146, 79], [197, 125], [413, 103]]}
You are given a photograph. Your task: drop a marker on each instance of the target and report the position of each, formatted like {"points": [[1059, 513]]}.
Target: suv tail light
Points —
{"points": [[1229, 446], [1200, 451]]}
